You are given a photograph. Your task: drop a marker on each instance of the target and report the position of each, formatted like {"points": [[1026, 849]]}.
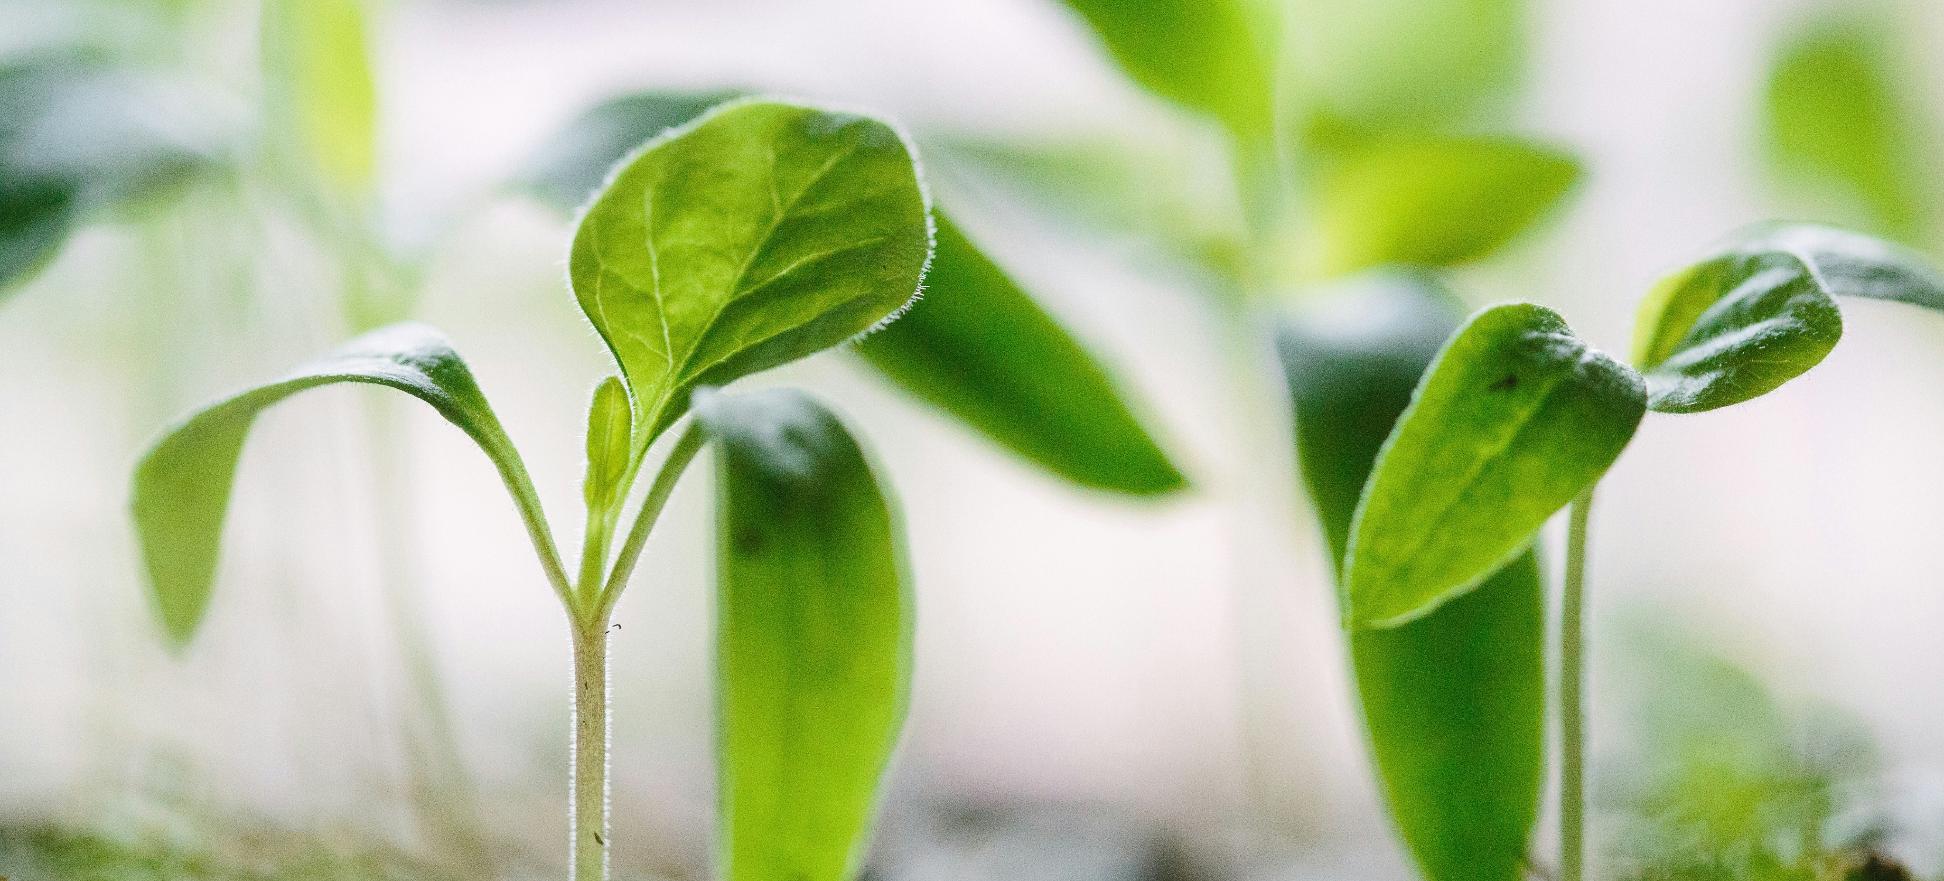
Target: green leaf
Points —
{"points": [[1211, 56], [979, 348], [1851, 264], [1454, 702], [1516, 417], [1432, 201], [610, 448], [1837, 119], [758, 234], [182, 485], [813, 637], [1405, 64], [321, 86], [571, 165]]}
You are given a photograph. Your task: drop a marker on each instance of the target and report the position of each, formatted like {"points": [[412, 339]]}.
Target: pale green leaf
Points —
{"points": [[321, 87], [1516, 417], [1432, 201], [758, 234], [979, 348], [1454, 703], [1405, 64], [1212, 56], [182, 485], [813, 638], [610, 447]]}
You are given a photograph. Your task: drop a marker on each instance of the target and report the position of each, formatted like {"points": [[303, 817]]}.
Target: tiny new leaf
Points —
{"points": [[1454, 703], [610, 450], [182, 485], [1516, 417], [1432, 201], [813, 637], [759, 233], [979, 348], [1740, 324]]}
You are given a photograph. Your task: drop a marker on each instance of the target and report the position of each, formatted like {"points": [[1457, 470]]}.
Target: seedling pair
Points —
{"points": [[760, 233]]}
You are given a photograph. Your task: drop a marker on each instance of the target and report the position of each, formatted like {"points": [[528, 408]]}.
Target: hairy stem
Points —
{"points": [[588, 784], [1572, 696]]}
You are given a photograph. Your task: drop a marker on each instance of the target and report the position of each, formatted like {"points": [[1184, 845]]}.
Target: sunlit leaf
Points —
{"points": [[1516, 417], [182, 485], [978, 347], [760, 233], [1838, 119], [321, 85], [1432, 201], [1405, 64], [572, 164], [1454, 702], [1213, 56], [813, 638]]}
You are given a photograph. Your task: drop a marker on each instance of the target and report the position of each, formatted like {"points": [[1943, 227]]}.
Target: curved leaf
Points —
{"points": [[813, 637], [758, 234], [1453, 703], [1516, 417], [1851, 264], [1433, 201], [979, 348], [1210, 56], [182, 485]]}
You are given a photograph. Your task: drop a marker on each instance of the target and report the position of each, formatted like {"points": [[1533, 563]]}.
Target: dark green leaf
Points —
{"points": [[610, 449], [1405, 64], [760, 233], [1851, 264], [321, 86], [1516, 417], [979, 348], [1213, 56], [1433, 201], [1454, 702], [813, 637], [182, 485], [567, 170], [1837, 119]]}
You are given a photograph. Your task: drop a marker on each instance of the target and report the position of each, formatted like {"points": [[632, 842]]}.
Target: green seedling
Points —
{"points": [[1517, 418], [758, 234]]}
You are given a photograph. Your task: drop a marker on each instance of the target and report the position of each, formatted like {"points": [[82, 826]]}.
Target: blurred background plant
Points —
{"points": [[191, 189]]}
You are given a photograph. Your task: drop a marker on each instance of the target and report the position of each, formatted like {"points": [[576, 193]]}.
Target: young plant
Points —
{"points": [[760, 233], [1517, 417]]}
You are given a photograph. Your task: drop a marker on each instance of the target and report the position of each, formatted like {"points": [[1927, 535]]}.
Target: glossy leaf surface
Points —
{"points": [[1211, 56], [813, 637], [979, 348], [1453, 703], [1433, 201], [1516, 417], [760, 233], [182, 485], [1851, 264]]}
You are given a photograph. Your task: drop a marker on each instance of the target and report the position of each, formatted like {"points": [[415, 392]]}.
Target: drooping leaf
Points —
{"points": [[610, 447], [813, 637], [182, 485], [1838, 120], [1432, 201], [571, 165], [1212, 56], [979, 348], [1516, 417], [76, 138], [1454, 702], [1404, 64], [321, 87], [760, 233]]}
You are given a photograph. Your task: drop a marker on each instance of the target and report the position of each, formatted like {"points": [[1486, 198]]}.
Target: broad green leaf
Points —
{"points": [[571, 165], [1454, 703], [1516, 417], [610, 448], [1432, 201], [1212, 56], [758, 234], [76, 138], [979, 348], [1405, 64], [1838, 120], [813, 638], [182, 485], [321, 85]]}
